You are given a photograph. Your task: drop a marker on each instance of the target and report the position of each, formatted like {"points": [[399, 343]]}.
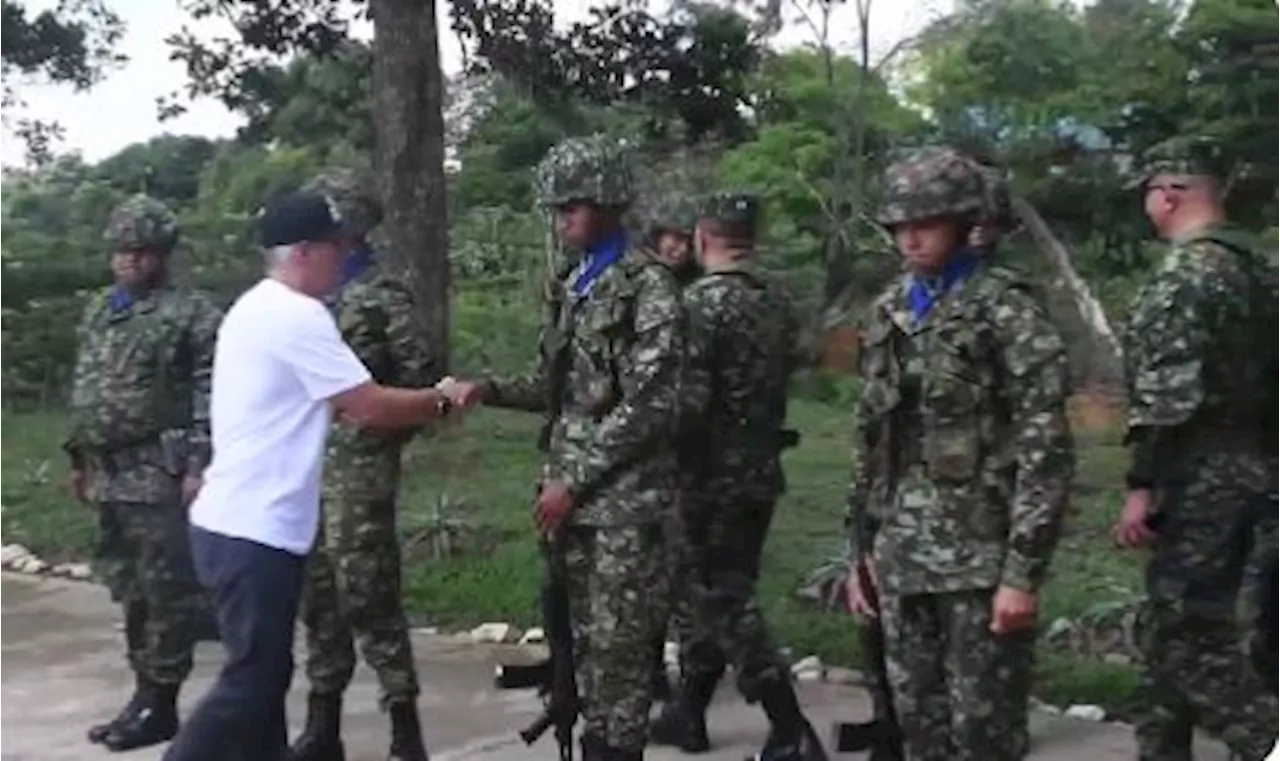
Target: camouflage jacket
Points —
{"points": [[610, 373], [963, 452], [1200, 354], [374, 314], [140, 394], [740, 357]]}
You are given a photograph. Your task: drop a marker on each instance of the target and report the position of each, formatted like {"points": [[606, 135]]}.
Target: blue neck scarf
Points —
{"points": [[357, 262], [599, 256], [925, 292], [120, 300]]}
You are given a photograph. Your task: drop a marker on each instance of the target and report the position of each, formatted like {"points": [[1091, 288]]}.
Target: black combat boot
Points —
{"points": [[154, 720], [321, 738], [791, 737], [98, 732], [593, 748], [406, 733], [618, 754], [135, 622], [683, 722]]}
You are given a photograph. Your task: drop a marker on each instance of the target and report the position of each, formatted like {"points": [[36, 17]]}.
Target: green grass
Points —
{"points": [[484, 471]]}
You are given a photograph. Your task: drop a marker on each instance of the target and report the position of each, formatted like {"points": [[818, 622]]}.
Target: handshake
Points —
{"points": [[462, 395]]}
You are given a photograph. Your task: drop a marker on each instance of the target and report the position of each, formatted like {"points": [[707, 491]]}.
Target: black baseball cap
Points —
{"points": [[299, 218]]}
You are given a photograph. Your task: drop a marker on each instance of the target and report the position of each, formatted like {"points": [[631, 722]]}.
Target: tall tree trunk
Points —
{"points": [[409, 156], [1091, 312]]}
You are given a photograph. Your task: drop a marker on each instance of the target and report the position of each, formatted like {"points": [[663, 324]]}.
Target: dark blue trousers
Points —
{"points": [[257, 588]]}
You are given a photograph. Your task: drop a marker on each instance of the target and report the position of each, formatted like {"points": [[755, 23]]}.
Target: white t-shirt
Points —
{"points": [[1275, 752], [279, 359]]}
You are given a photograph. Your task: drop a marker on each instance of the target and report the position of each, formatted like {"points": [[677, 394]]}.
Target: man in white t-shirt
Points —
{"points": [[280, 371]]}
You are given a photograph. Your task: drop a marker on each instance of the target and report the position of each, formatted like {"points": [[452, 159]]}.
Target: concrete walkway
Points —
{"points": [[63, 670]]}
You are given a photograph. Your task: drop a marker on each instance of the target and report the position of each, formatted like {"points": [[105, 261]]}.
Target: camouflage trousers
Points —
{"points": [[144, 557], [724, 543], [1196, 669], [352, 594], [612, 575], [960, 691]]}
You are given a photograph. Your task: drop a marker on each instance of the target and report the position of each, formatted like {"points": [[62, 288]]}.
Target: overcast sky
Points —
{"points": [[121, 110]]}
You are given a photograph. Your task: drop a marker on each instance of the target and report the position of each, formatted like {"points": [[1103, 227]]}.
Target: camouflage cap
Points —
{"points": [[141, 222], [1184, 155], [593, 169], [355, 196], [734, 207], [932, 182]]}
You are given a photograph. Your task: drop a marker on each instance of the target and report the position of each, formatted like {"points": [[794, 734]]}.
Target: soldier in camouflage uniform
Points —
{"points": [[668, 237], [609, 379], [964, 459], [1201, 372], [353, 576], [742, 325], [139, 443], [997, 217]]}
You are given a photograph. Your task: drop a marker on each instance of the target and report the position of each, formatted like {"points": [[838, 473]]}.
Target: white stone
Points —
{"points": [[1087, 712], [428, 631], [808, 669], [1117, 659], [80, 571], [1059, 628], [494, 632], [671, 654], [534, 636], [10, 554], [31, 564], [840, 675], [808, 663]]}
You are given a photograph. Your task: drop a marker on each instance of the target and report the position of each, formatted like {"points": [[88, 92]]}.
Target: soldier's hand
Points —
{"points": [[552, 507], [860, 589], [463, 394], [78, 482], [191, 484], [1013, 610], [1133, 530]]}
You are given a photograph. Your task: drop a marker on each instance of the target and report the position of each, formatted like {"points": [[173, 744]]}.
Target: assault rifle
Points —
{"points": [[882, 735], [552, 677]]}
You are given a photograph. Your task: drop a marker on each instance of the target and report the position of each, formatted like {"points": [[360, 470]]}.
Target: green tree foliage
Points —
{"points": [[1110, 79], [689, 67], [74, 44]]}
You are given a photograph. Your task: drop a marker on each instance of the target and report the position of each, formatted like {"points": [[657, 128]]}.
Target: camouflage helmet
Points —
{"points": [[141, 222], [932, 182], [355, 196], [997, 205], [591, 169], [674, 212], [1184, 155], [733, 207]]}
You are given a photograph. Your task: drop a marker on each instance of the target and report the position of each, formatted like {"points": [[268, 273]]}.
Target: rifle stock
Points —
{"points": [[553, 677], [882, 735]]}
